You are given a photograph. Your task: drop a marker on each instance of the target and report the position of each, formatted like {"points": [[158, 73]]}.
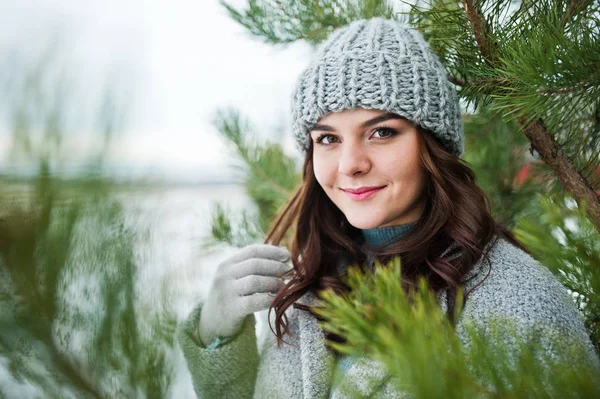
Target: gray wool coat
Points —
{"points": [[518, 288]]}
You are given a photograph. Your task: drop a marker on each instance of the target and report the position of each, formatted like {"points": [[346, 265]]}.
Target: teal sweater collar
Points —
{"points": [[381, 236]]}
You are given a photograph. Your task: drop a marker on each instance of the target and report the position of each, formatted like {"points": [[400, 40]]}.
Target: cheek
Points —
{"points": [[323, 168], [418, 176], [404, 170], [407, 161]]}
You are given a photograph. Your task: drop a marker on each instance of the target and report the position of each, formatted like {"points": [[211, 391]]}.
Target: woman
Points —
{"points": [[381, 128]]}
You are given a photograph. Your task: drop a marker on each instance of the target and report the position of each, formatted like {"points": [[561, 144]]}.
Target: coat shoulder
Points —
{"points": [[510, 282], [510, 285]]}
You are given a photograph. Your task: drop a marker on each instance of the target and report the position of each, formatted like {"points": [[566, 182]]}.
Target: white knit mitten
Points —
{"points": [[243, 284]]}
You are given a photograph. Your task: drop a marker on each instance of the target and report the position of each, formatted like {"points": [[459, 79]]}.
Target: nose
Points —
{"points": [[354, 160]]}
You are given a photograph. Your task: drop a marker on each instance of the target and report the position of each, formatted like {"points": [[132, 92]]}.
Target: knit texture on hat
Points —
{"points": [[378, 64]]}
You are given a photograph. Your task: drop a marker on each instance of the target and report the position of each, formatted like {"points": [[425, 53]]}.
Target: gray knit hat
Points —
{"points": [[378, 64]]}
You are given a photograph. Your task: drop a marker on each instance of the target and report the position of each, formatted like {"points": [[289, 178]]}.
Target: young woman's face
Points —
{"points": [[368, 163]]}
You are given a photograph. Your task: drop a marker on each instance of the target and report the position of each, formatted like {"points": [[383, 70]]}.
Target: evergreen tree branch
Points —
{"points": [[549, 149], [407, 332], [575, 7], [270, 177], [495, 149], [568, 175], [234, 129], [283, 22], [572, 89], [456, 80], [481, 30], [563, 238], [273, 184]]}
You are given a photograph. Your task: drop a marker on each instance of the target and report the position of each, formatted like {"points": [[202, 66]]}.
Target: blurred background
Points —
{"points": [[142, 141], [111, 104], [168, 66]]}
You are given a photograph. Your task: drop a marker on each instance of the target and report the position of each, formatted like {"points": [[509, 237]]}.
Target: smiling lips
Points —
{"points": [[362, 193]]}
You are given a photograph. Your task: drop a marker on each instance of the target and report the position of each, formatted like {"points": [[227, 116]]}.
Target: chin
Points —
{"points": [[362, 223]]}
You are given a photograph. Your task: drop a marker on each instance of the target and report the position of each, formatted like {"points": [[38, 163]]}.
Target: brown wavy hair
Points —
{"points": [[452, 234]]}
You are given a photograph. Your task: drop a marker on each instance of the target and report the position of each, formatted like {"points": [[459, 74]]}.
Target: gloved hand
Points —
{"points": [[243, 285]]}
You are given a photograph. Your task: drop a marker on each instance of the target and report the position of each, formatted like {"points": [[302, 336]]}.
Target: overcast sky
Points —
{"points": [[175, 62]]}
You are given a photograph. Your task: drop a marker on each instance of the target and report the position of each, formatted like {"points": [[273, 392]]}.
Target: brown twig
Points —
{"points": [[568, 175], [456, 80], [481, 30], [565, 90], [575, 7]]}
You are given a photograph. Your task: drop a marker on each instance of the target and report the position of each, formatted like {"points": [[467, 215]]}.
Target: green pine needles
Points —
{"points": [[537, 64], [282, 22], [414, 339], [270, 176], [565, 241], [72, 324]]}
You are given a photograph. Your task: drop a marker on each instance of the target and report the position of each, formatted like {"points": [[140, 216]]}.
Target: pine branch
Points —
{"points": [[456, 80], [564, 240], [481, 29], [569, 177], [566, 90], [269, 180], [284, 192], [58, 237], [495, 149], [229, 122], [575, 7], [283, 22], [412, 337], [541, 139]]}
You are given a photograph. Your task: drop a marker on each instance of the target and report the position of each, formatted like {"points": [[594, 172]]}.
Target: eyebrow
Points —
{"points": [[364, 125]]}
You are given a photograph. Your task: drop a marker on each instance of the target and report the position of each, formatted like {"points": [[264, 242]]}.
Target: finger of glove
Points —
{"points": [[261, 251], [254, 303], [254, 284], [259, 267]]}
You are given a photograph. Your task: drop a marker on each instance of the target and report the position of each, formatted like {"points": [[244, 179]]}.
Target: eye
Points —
{"points": [[325, 139], [384, 133]]}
